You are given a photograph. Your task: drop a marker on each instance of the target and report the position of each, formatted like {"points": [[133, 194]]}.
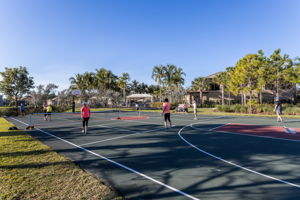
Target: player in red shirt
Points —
{"points": [[85, 116], [166, 112]]}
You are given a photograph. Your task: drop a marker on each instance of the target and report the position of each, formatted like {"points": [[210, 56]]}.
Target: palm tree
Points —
{"points": [[200, 84], [158, 75], [143, 88], [122, 83], [105, 79], [78, 82], [178, 79], [168, 72], [221, 79], [135, 86], [89, 81]]}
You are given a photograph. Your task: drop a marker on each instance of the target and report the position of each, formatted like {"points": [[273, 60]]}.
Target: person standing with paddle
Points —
{"points": [[166, 112], [49, 111], [85, 116], [278, 109]]}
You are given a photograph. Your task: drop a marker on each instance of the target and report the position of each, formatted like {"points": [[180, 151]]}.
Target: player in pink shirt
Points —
{"points": [[166, 112], [85, 116]]}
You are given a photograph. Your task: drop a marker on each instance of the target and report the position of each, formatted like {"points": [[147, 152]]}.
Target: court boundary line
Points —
{"points": [[116, 163], [229, 162], [78, 123]]}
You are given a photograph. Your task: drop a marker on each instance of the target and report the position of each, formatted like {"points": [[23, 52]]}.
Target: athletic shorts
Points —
{"points": [[85, 121], [48, 113], [278, 112], [167, 116]]}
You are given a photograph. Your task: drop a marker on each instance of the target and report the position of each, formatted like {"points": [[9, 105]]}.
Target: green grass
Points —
{"points": [[31, 170]]}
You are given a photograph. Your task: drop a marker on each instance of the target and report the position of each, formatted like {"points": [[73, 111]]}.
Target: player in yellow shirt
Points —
{"points": [[49, 111]]}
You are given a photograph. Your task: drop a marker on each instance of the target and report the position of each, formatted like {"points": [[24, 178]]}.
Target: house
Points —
{"points": [[214, 94]]}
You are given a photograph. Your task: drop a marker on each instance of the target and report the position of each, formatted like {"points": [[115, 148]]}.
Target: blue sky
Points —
{"points": [[55, 39]]}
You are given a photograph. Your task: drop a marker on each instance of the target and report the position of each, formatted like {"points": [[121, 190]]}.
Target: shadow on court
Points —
{"points": [[162, 155]]}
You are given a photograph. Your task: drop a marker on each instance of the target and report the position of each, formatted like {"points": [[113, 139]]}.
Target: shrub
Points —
{"points": [[237, 108], [252, 105], [209, 104], [8, 111], [156, 104], [292, 110], [224, 108], [243, 109]]}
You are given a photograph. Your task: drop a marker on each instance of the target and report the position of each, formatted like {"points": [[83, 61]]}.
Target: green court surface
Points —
{"points": [[192, 160]]}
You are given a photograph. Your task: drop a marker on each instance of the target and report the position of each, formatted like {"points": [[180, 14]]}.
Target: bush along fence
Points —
{"points": [[259, 109], [14, 111]]}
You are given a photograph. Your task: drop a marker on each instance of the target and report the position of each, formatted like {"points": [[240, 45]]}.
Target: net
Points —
{"points": [[66, 117]]}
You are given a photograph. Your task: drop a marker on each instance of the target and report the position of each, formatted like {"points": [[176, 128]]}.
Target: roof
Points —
{"points": [[140, 96], [213, 75]]}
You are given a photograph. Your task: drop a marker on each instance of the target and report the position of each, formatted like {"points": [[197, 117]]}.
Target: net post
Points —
{"points": [[30, 123]]}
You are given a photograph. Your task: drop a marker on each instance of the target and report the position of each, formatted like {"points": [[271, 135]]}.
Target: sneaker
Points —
{"points": [[195, 118], [82, 131]]}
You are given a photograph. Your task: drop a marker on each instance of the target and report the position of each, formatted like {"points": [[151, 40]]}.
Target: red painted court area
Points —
{"points": [[258, 130]]}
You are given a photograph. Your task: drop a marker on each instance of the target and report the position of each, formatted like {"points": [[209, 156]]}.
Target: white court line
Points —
{"points": [[80, 126], [231, 163], [118, 164], [79, 123], [119, 129], [114, 138], [218, 127]]}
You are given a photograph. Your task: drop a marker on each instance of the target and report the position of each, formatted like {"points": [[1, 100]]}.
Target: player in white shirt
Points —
{"points": [[195, 110]]}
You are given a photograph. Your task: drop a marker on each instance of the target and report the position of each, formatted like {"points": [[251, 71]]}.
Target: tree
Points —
{"points": [[171, 78], [221, 79], [63, 97], [42, 93], [278, 66], [229, 71], [292, 74], [134, 86], [200, 84], [15, 83], [105, 80], [168, 75], [78, 82], [246, 76], [122, 83], [178, 79], [263, 74], [158, 75]]}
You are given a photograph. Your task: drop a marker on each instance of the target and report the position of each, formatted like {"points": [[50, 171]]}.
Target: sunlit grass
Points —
{"points": [[32, 170]]}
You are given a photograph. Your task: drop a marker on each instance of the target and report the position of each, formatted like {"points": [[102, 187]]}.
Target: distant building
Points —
{"points": [[214, 94]]}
